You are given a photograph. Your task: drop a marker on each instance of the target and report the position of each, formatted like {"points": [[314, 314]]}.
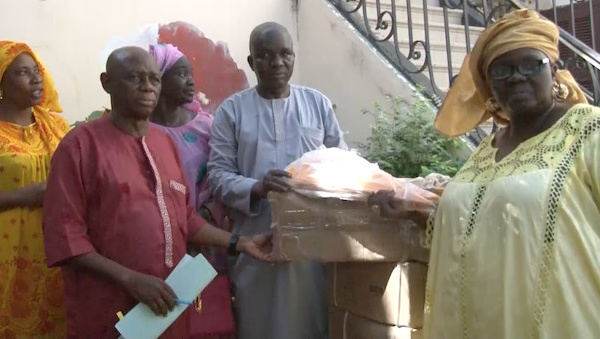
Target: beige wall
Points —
{"points": [[70, 35], [341, 64]]}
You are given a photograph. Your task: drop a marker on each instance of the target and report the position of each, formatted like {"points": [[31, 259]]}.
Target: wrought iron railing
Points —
{"points": [[427, 40]]}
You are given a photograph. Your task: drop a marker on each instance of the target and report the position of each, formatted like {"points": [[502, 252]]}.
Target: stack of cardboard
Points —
{"points": [[376, 300], [377, 267], [334, 230]]}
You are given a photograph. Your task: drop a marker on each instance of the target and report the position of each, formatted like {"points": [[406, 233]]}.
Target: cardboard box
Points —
{"points": [[334, 230], [345, 325], [392, 294]]}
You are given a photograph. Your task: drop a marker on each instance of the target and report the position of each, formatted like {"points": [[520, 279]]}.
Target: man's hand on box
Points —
{"points": [[273, 181]]}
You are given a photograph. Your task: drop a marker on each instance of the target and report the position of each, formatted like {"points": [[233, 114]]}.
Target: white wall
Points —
{"points": [[70, 35], [547, 4], [339, 63]]}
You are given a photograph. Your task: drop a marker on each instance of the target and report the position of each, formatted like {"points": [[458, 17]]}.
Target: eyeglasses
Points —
{"points": [[525, 68]]}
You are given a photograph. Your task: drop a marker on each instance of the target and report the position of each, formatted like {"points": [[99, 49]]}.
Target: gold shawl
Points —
{"points": [[9, 51], [464, 106]]}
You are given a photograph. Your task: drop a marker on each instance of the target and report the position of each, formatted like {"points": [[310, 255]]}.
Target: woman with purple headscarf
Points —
{"points": [[180, 115]]}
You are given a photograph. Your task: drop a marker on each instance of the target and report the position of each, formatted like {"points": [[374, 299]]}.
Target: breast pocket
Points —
{"points": [[179, 187], [312, 138], [176, 193]]}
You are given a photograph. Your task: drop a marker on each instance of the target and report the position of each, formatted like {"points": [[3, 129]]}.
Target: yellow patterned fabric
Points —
{"points": [[31, 295], [464, 106], [516, 244]]}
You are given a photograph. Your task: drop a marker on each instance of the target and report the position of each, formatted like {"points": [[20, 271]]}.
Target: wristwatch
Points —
{"points": [[232, 250]]}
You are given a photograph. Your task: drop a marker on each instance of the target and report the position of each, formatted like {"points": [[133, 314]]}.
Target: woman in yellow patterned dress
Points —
{"points": [[31, 295], [515, 251]]}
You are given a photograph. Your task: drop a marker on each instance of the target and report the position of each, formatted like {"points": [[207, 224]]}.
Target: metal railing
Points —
{"points": [[410, 33]]}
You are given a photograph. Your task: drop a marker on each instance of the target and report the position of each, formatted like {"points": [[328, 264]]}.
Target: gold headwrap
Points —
{"points": [[464, 106], [9, 51]]}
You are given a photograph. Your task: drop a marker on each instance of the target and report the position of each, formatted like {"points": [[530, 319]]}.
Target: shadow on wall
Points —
{"points": [[216, 74]]}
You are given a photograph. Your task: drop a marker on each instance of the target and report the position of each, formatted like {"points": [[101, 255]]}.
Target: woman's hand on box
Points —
{"points": [[391, 206]]}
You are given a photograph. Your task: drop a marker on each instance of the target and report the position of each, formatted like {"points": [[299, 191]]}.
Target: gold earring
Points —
{"points": [[491, 106], [560, 92], [1, 95]]}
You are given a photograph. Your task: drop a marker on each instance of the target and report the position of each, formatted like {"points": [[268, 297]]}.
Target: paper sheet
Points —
{"points": [[187, 280]]}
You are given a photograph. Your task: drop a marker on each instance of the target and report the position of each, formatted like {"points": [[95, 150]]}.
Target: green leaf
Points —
{"points": [[95, 115], [404, 142]]}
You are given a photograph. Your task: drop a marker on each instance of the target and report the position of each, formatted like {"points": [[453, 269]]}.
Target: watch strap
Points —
{"points": [[232, 250]]}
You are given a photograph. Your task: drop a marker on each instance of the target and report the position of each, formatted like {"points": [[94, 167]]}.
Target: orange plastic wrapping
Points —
{"points": [[337, 173], [326, 218]]}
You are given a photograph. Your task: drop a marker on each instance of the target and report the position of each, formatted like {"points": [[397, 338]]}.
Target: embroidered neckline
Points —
{"points": [[542, 151]]}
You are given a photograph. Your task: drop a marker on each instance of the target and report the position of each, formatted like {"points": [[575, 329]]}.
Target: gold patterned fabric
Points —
{"points": [[515, 247], [31, 294]]}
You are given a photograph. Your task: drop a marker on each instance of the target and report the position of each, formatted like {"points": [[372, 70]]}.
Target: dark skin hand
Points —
{"points": [[29, 196], [145, 288], [273, 181], [33, 195], [151, 291], [392, 207]]}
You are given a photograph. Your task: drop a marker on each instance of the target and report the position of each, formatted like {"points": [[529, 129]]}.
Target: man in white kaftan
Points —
{"points": [[255, 133]]}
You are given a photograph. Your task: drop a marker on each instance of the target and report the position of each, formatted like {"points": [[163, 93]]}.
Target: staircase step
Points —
{"points": [[435, 13], [439, 61], [440, 73], [456, 33], [438, 30], [439, 50]]}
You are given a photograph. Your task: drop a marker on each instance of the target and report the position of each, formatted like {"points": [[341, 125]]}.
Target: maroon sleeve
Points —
{"points": [[65, 207], [195, 222]]}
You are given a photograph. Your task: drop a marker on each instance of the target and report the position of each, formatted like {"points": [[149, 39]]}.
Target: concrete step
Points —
{"points": [[437, 31], [435, 13], [440, 73], [433, 3], [439, 60], [438, 48], [439, 51]]}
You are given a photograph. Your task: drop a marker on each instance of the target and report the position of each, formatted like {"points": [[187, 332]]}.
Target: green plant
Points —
{"points": [[404, 143], [92, 116]]}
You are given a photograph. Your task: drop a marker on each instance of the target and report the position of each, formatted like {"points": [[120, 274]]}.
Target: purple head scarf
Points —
{"points": [[166, 55]]}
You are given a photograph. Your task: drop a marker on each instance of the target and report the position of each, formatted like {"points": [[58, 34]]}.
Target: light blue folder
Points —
{"points": [[187, 280]]}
